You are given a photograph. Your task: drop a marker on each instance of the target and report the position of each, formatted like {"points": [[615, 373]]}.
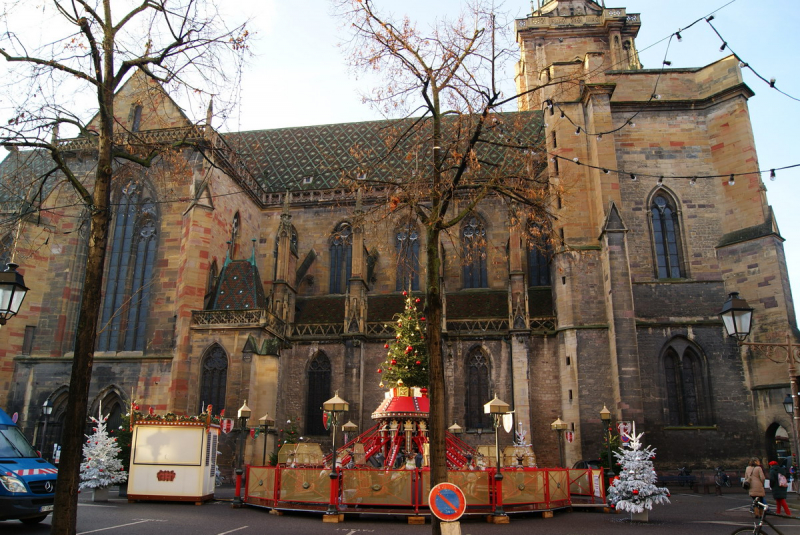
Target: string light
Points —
{"points": [[656, 96], [606, 171], [693, 181], [633, 177], [772, 174], [661, 181], [724, 45], [576, 160], [578, 131], [599, 137], [732, 180], [667, 62], [679, 36]]}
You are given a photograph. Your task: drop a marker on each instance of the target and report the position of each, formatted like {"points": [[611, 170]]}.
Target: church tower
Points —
{"points": [[664, 213]]}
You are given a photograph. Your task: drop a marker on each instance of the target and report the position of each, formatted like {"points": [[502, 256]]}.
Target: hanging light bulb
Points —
{"points": [[633, 177], [563, 114], [656, 96], [710, 18], [548, 103], [667, 62], [732, 180], [742, 64], [553, 160], [724, 45], [578, 131], [772, 174], [772, 82], [576, 160], [599, 137], [693, 181], [606, 171], [679, 36], [546, 125], [661, 181], [633, 125]]}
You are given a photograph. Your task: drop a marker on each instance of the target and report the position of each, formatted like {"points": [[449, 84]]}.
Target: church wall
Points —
{"points": [[730, 432]]}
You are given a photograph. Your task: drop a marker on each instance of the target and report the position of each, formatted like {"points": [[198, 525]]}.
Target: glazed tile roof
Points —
{"points": [[239, 288], [317, 157], [322, 309], [21, 173]]}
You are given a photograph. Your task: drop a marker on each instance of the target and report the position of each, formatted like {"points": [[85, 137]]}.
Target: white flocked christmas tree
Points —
{"points": [[101, 466], [635, 489]]}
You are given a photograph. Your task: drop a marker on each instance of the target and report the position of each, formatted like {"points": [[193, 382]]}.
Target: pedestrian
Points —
{"points": [[754, 476], [779, 484]]}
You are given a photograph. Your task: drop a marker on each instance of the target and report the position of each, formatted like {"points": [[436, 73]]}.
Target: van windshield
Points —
{"points": [[13, 443]]}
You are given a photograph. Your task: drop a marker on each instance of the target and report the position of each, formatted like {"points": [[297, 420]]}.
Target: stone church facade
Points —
{"points": [[238, 270]]}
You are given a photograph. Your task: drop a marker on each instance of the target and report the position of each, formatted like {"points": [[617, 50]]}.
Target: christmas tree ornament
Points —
{"points": [[635, 489], [102, 466]]}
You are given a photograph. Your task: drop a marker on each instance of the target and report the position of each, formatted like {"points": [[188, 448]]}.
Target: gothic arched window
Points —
{"points": [[538, 257], [666, 237], [407, 247], [319, 391], [211, 284], [6, 248], [214, 379], [235, 231], [341, 251], [130, 272], [477, 391], [685, 381], [473, 246]]}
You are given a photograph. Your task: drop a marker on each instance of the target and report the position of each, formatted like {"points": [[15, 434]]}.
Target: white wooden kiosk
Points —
{"points": [[173, 460]]}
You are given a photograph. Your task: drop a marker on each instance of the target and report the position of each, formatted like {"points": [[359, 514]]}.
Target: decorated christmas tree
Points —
{"points": [[635, 488], [407, 355], [101, 465]]}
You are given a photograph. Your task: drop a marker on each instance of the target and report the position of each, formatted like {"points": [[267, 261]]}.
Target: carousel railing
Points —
{"points": [[405, 491]]}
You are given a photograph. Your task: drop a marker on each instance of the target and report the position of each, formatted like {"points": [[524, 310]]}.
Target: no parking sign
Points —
{"points": [[447, 502]]}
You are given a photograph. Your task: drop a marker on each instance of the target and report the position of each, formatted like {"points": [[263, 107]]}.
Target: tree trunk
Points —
{"points": [[66, 501], [436, 419]]}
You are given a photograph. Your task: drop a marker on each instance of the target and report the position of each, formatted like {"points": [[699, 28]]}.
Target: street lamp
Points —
{"points": [[605, 416], [12, 292], [244, 415], [334, 407], [47, 410], [265, 422], [559, 426], [497, 408], [737, 316]]}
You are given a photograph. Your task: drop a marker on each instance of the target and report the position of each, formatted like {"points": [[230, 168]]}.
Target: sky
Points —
{"points": [[298, 75]]}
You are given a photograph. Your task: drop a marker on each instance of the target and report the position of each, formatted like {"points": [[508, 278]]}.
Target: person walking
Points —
{"points": [[754, 476], [779, 484]]}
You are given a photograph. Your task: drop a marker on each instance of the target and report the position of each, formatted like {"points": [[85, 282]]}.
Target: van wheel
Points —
{"points": [[32, 520]]}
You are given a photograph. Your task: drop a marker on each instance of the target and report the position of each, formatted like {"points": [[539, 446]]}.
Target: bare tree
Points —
{"points": [[93, 47], [454, 146]]}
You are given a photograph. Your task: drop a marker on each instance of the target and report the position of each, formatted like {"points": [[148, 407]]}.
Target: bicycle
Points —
{"points": [[761, 519], [721, 478]]}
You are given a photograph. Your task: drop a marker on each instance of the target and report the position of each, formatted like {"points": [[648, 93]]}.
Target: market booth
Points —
{"points": [[173, 459]]}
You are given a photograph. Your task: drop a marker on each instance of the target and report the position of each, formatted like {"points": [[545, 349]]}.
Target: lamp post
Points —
{"points": [[47, 410], [12, 292], [244, 415], [559, 426], [605, 416], [497, 408], [334, 406], [265, 422], [737, 316]]}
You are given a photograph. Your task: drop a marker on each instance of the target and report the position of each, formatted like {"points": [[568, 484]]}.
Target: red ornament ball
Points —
{"points": [[386, 346], [418, 363], [380, 371], [394, 362], [416, 300], [635, 491], [405, 292], [422, 318]]}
